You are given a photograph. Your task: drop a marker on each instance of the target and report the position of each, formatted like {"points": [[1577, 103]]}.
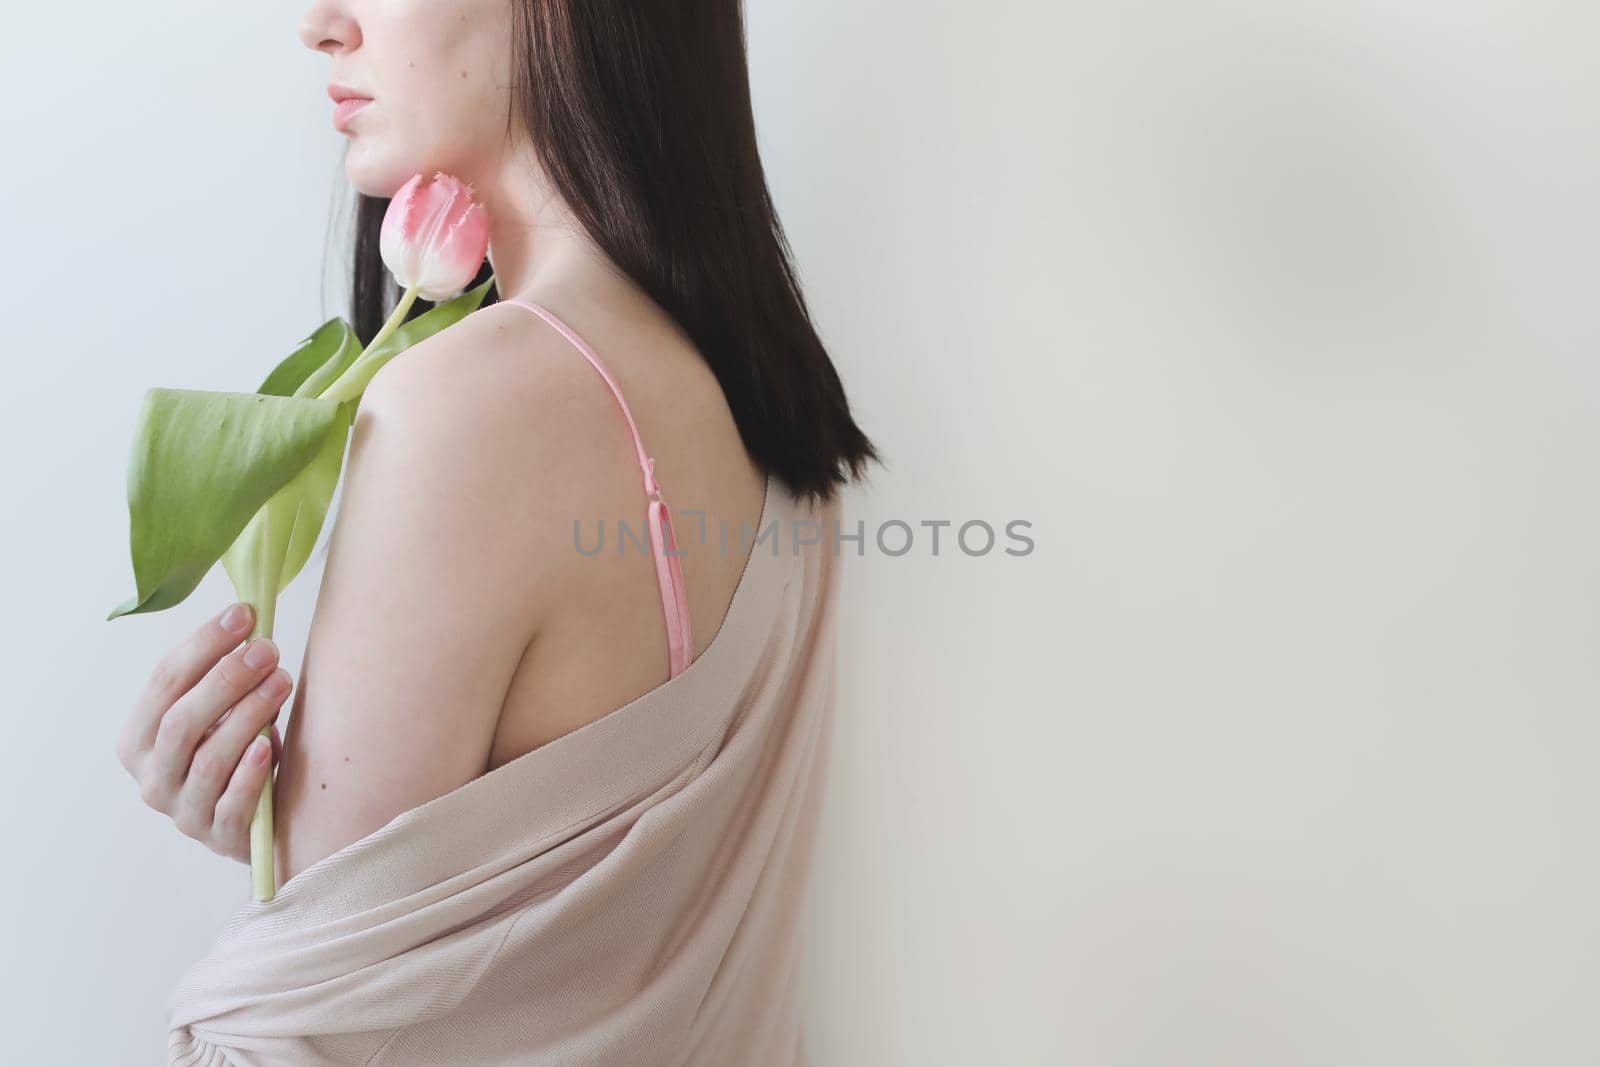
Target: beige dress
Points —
{"points": [[628, 893]]}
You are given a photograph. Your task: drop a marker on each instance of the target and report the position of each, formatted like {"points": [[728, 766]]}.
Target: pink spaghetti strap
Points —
{"points": [[663, 543]]}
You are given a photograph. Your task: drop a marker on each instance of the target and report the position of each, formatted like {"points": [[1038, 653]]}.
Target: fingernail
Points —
{"points": [[277, 685], [235, 617], [260, 652], [259, 749]]}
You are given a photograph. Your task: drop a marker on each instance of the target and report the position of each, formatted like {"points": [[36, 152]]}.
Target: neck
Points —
{"points": [[537, 249]]}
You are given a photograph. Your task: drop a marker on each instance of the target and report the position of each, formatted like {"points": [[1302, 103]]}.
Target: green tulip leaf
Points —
{"points": [[277, 542], [426, 325], [202, 465], [348, 351], [248, 478], [396, 336], [316, 485], [319, 356], [433, 320]]}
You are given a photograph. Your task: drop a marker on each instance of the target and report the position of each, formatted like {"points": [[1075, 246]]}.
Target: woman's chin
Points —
{"points": [[371, 175]]}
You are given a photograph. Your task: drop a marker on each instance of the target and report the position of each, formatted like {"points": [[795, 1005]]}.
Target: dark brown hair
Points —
{"points": [[640, 115]]}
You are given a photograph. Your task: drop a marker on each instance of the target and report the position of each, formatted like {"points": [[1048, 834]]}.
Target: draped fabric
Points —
{"points": [[628, 893]]}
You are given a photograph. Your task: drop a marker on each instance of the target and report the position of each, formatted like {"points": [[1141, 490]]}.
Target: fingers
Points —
{"points": [[235, 809], [182, 728], [220, 759], [176, 674]]}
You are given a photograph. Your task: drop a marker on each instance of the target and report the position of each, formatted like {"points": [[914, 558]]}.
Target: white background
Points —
{"points": [[1276, 320]]}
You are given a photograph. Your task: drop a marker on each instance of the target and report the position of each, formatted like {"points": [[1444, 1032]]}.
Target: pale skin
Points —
{"points": [[457, 626]]}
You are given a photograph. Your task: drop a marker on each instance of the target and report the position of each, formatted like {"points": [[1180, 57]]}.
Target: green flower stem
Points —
{"points": [[260, 591], [263, 573], [353, 381], [263, 870]]}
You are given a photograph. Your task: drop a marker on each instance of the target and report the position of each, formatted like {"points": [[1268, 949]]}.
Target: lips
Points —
{"points": [[346, 109], [338, 92]]}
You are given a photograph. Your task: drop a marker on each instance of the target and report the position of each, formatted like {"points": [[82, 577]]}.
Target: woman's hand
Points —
{"points": [[186, 741]]}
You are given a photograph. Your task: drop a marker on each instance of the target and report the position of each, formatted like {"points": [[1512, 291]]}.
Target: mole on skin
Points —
{"points": [[325, 784]]}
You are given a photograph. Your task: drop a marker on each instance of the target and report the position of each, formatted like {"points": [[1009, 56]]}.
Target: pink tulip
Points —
{"points": [[434, 236]]}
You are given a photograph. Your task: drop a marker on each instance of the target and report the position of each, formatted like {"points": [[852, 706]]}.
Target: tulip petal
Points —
{"points": [[395, 235], [435, 236]]}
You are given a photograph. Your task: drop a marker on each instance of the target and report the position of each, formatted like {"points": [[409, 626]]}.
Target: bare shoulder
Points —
{"points": [[520, 418], [461, 476], [482, 371], [547, 413], [537, 438]]}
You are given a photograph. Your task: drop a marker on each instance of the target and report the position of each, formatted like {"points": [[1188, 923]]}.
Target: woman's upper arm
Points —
{"points": [[428, 601]]}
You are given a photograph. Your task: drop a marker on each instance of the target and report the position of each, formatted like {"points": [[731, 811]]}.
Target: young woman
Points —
{"points": [[538, 803]]}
